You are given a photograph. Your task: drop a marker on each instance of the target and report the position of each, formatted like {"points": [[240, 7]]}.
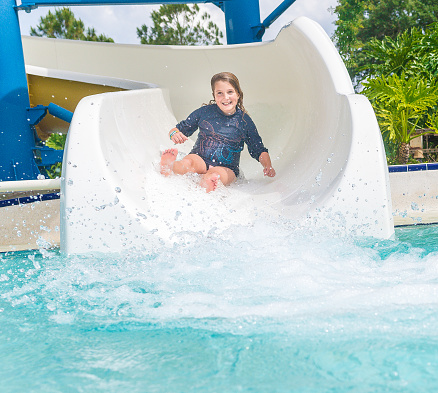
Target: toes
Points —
{"points": [[173, 152]]}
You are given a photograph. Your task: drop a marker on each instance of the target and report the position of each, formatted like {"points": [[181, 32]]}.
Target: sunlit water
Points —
{"points": [[273, 309]]}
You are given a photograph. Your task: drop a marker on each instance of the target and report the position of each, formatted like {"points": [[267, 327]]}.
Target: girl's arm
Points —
{"points": [[188, 127], [177, 136], [265, 160]]}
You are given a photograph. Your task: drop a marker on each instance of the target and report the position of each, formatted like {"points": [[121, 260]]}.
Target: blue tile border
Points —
{"points": [[29, 199], [398, 168], [413, 167], [417, 167], [432, 167]]}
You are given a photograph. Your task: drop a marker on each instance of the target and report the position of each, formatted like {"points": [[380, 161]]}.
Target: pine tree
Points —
{"points": [[180, 24], [63, 24]]}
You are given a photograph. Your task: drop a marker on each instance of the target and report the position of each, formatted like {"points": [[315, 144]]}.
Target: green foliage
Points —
{"points": [[413, 52], [360, 21], [391, 149], [432, 122], [55, 141], [63, 24], [404, 54], [396, 62], [402, 102], [429, 46], [350, 21], [180, 24]]}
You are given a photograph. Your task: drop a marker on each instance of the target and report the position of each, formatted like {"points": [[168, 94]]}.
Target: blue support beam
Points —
{"points": [[277, 12], [242, 21], [46, 156], [60, 112], [273, 16], [16, 136], [37, 113], [29, 5]]}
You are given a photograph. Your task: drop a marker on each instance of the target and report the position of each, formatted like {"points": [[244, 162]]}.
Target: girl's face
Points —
{"points": [[226, 97]]}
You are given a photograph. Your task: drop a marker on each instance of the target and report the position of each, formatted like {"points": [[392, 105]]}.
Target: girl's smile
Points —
{"points": [[226, 97]]}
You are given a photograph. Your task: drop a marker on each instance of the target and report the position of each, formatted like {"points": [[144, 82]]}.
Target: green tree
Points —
{"points": [[359, 21], [180, 24], [401, 78], [63, 24], [406, 54], [401, 103], [348, 24]]}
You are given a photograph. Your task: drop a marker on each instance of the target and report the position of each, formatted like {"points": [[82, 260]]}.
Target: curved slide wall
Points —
{"points": [[324, 141]]}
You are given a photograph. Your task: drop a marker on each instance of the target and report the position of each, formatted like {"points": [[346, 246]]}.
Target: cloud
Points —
{"points": [[121, 22]]}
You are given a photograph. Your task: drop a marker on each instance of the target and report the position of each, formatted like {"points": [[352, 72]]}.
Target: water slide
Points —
{"points": [[324, 141]]}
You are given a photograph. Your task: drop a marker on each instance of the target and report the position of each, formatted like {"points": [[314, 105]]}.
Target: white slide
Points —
{"points": [[324, 141]]}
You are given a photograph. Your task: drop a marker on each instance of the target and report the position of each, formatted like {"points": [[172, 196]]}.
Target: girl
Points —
{"points": [[224, 127]]}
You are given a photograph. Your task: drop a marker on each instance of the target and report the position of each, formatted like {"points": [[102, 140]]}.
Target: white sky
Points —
{"points": [[120, 22]]}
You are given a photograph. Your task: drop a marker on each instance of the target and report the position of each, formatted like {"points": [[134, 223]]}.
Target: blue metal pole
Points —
{"points": [[29, 5], [16, 136], [277, 12], [60, 112], [242, 18]]}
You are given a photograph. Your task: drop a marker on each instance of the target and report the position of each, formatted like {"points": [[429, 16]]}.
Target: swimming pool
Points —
{"points": [[272, 309]]}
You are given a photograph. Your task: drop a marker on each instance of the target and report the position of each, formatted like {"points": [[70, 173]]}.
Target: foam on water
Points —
{"points": [[262, 307], [265, 271]]}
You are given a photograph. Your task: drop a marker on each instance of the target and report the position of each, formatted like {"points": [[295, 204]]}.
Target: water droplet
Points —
{"points": [[319, 177]]}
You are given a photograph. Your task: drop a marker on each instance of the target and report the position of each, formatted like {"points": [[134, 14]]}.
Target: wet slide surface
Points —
{"points": [[324, 141]]}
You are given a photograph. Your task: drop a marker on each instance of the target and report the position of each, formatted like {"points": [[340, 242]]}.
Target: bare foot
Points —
{"points": [[167, 159], [209, 181]]}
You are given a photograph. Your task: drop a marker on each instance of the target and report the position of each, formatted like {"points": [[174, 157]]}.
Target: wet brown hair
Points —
{"points": [[233, 81]]}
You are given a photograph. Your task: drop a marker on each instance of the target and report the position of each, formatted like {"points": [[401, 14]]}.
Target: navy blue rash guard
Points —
{"points": [[221, 138]]}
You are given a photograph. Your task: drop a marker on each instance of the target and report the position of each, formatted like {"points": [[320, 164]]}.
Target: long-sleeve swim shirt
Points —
{"points": [[222, 137]]}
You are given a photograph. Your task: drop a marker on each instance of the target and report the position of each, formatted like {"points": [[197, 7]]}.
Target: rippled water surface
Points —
{"points": [[272, 309]]}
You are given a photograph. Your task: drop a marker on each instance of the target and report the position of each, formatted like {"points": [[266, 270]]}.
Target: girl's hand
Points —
{"points": [[265, 160], [177, 137], [269, 171]]}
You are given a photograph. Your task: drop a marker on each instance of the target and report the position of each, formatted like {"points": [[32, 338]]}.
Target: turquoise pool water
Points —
{"points": [[275, 310]]}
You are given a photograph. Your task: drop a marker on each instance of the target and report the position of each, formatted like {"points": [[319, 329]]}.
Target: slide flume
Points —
{"points": [[324, 140]]}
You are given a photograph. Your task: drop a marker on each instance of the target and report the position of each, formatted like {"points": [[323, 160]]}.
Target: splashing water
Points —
{"points": [[268, 308]]}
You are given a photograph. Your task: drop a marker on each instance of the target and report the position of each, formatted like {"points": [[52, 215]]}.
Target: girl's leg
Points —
{"points": [[210, 180], [195, 164], [190, 163]]}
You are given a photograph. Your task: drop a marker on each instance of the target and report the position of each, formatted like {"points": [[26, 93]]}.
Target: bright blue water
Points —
{"points": [[272, 311]]}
